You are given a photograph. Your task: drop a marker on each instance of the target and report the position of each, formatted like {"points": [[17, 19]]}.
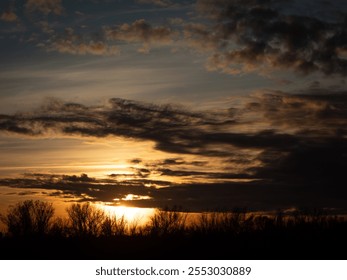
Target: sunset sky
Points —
{"points": [[147, 103]]}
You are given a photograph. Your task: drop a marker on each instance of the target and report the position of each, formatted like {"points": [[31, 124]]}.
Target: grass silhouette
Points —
{"points": [[89, 233]]}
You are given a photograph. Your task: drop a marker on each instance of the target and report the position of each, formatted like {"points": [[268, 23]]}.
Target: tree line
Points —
{"points": [[35, 217], [87, 232]]}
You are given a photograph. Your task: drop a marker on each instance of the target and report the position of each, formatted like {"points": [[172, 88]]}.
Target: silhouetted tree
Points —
{"points": [[114, 226], [167, 221], [59, 227], [28, 217], [85, 220]]}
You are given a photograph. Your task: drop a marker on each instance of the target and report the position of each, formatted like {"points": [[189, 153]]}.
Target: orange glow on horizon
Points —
{"points": [[136, 215]]}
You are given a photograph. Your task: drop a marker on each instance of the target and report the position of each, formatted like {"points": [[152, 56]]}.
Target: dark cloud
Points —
{"points": [[53, 177], [9, 16], [172, 161], [82, 48], [317, 121], [177, 168], [317, 110], [238, 36], [313, 162], [200, 36], [72, 43], [249, 35], [255, 196], [136, 161], [142, 32], [142, 172], [74, 178], [160, 3], [83, 187], [176, 162], [109, 39], [204, 133], [275, 135], [202, 174], [45, 6]]}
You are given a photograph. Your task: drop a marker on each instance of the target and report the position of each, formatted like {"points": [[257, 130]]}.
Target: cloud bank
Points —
{"points": [[298, 137]]}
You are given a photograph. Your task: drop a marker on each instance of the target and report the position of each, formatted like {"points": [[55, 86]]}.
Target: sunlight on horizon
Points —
{"points": [[133, 215]]}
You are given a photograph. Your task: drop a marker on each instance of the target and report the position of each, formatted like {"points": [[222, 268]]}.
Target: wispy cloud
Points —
{"points": [[160, 3], [45, 6], [108, 41], [141, 31], [72, 43]]}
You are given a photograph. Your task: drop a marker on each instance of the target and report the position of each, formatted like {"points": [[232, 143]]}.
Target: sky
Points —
{"points": [[151, 103]]}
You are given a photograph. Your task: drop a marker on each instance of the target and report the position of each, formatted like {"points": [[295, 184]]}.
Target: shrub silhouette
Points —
{"points": [[28, 218]]}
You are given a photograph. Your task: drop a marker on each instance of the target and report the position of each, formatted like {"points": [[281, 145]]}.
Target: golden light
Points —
{"points": [[131, 214]]}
